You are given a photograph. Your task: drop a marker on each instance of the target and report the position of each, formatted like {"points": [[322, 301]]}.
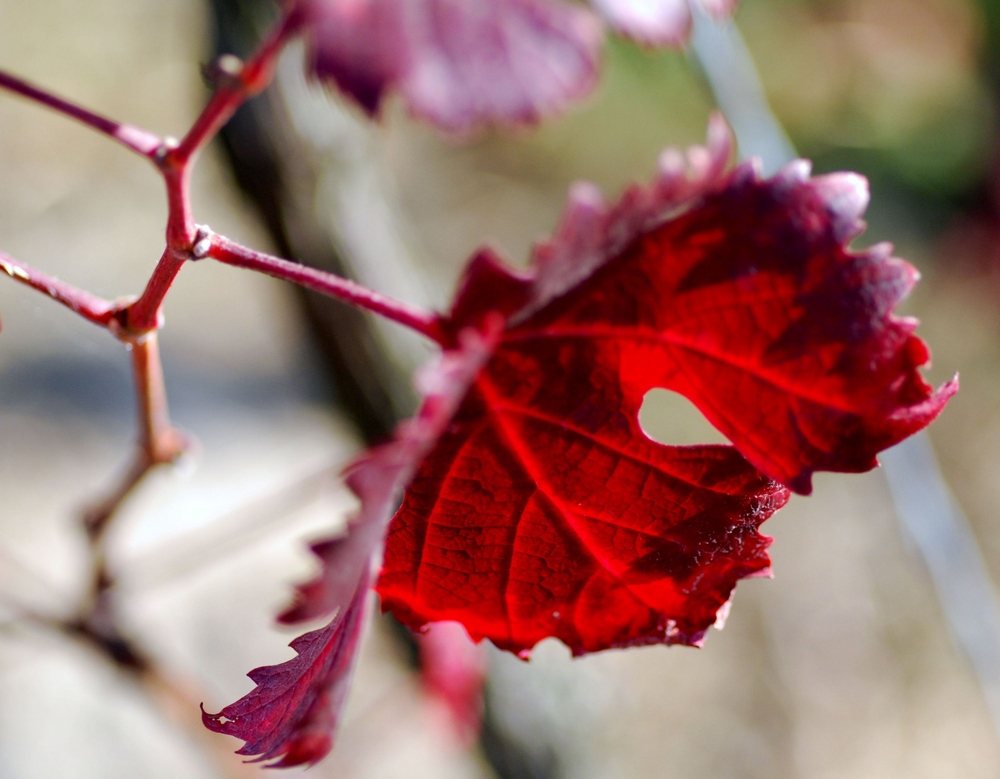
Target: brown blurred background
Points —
{"points": [[842, 666]]}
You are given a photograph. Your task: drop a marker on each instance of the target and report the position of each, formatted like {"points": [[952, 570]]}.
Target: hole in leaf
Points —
{"points": [[670, 418]]}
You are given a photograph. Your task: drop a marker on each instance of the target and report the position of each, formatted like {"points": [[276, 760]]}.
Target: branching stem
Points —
{"points": [[235, 83], [137, 323], [427, 323], [145, 314]]}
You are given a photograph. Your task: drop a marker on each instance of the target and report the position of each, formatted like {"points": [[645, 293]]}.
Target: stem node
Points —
{"points": [[202, 242]]}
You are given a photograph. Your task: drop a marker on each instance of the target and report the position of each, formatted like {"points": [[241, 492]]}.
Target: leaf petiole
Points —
{"points": [[426, 323]]}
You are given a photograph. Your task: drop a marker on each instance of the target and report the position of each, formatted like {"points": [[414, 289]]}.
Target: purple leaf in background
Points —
{"points": [[358, 45], [457, 63], [462, 64]]}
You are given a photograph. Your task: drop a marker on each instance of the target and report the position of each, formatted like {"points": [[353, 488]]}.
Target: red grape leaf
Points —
{"points": [[545, 511], [292, 712], [379, 476], [458, 63]]}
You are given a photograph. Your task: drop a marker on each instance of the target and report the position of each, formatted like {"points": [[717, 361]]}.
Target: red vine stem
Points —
{"points": [[235, 83], [90, 307], [158, 441], [135, 138], [144, 315], [426, 323], [136, 324]]}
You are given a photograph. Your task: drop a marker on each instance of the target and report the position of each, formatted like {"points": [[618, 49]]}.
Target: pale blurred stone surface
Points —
{"points": [[840, 667]]}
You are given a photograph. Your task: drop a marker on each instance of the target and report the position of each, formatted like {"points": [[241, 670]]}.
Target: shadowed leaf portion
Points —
{"points": [[291, 714], [545, 511]]}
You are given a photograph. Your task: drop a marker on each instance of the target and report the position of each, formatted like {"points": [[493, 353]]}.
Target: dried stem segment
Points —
{"points": [[159, 443]]}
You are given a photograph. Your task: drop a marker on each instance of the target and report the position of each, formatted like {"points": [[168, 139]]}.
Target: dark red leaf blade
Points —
{"points": [[742, 295], [379, 477], [460, 64], [291, 714], [546, 511], [650, 554]]}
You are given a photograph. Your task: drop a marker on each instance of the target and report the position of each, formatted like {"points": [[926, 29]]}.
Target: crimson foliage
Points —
{"points": [[538, 507]]}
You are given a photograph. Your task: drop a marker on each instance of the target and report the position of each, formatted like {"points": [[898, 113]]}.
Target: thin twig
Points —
{"points": [[237, 82], [161, 441], [144, 314], [425, 322], [90, 307], [135, 138], [158, 441]]}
